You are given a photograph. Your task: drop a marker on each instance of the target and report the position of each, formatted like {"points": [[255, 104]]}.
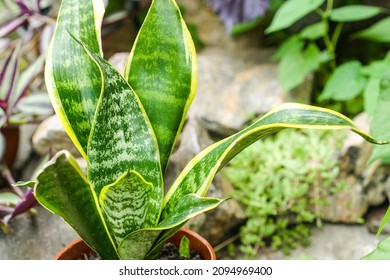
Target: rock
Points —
{"points": [[366, 185], [242, 86], [215, 225], [50, 136]]}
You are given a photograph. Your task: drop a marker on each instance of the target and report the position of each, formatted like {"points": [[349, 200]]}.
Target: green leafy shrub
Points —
{"points": [[281, 183], [347, 78]]}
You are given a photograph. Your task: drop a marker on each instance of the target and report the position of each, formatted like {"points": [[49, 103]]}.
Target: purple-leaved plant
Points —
{"points": [[22, 99], [233, 12]]}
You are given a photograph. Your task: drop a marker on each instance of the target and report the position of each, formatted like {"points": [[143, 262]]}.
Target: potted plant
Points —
{"points": [[126, 126]]}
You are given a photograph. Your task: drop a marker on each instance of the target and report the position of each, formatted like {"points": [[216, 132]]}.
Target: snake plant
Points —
{"points": [[126, 125]]}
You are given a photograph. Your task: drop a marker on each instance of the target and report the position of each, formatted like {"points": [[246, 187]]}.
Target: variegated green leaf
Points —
{"points": [[198, 174], [63, 189], [188, 207], [132, 247], [126, 205], [162, 70], [72, 79], [136, 245], [161, 239], [122, 138]]}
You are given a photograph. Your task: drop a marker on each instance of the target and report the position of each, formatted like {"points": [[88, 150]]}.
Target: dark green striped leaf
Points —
{"points": [[187, 208], [126, 205], [72, 79], [63, 189], [137, 244], [122, 138], [198, 174], [162, 70]]}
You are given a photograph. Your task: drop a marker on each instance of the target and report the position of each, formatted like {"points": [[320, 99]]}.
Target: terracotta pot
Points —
{"points": [[77, 249]]}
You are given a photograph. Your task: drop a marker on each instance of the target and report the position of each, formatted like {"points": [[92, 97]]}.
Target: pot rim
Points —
{"points": [[78, 247]]}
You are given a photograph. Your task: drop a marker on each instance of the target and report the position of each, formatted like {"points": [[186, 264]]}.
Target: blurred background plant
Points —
{"points": [[282, 182], [26, 28], [25, 32], [345, 46], [240, 16], [320, 38], [324, 43]]}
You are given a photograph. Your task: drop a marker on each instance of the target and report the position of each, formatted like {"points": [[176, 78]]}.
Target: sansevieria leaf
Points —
{"points": [[162, 70], [63, 189], [198, 174], [72, 79], [190, 206], [127, 205], [137, 244], [122, 139]]}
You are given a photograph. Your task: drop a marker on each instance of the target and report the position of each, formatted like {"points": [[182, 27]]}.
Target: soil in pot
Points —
{"points": [[168, 252]]}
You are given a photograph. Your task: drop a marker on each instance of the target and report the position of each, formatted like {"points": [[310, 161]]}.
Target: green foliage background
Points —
{"points": [[281, 182]]}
